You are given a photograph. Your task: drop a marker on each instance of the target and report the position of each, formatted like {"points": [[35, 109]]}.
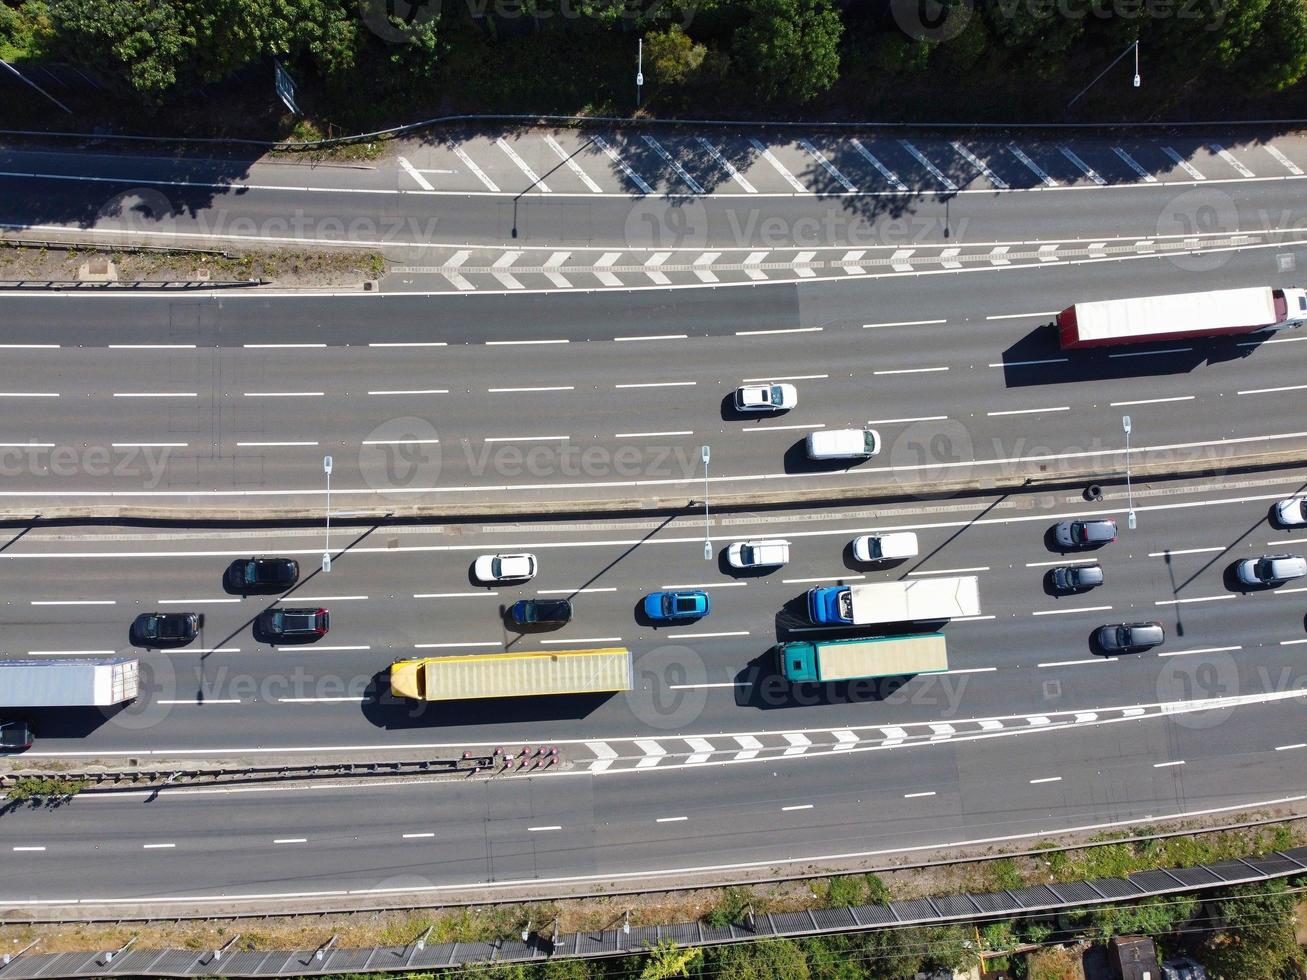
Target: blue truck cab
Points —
{"points": [[831, 604]]}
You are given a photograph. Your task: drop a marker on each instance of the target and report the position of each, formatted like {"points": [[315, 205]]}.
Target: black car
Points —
{"points": [[541, 612], [263, 574], [1077, 578], [1085, 534], [1130, 637], [15, 736], [294, 623], [167, 629]]}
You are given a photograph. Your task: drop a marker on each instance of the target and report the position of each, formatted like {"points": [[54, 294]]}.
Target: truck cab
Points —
{"points": [[1290, 307], [831, 604]]}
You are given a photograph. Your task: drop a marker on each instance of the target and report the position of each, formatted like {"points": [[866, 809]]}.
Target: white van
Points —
{"points": [[885, 547], [843, 443]]}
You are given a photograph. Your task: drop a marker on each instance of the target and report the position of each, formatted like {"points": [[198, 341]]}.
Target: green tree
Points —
{"points": [[673, 55], [1258, 940], [668, 960], [791, 48], [766, 960]]}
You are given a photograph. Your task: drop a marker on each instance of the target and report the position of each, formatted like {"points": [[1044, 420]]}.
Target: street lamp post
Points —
{"points": [[639, 70], [1129, 490], [1134, 46], [326, 554], [705, 453]]}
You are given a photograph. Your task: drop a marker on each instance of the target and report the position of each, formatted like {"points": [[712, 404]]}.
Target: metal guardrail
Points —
{"points": [[138, 285], [61, 246], [326, 959]]}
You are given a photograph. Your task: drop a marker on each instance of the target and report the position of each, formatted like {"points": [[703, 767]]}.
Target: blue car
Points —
{"points": [[673, 606]]}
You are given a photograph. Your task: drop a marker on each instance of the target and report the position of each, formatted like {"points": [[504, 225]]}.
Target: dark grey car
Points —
{"points": [[1077, 578], [1130, 637]]}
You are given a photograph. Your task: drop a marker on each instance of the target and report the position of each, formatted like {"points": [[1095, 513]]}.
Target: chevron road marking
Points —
{"points": [[450, 270], [572, 165], [829, 167], [471, 165], [1085, 168], [948, 258], [500, 270], [885, 171], [1134, 165], [1184, 164], [755, 259], [980, 165], [749, 747], [778, 166], [511, 153], [1229, 158], [899, 260], [658, 148], [412, 171], [635, 178], [1035, 168], [934, 170], [801, 262], [850, 263], [603, 266], [701, 264], [727, 166], [702, 749], [653, 753], [651, 267], [1284, 161], [798, 743]]}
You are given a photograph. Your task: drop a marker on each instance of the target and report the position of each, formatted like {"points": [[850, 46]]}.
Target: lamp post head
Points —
{"points": [[704, 453], [326, 465], [1125, 423], [1136, 79]]}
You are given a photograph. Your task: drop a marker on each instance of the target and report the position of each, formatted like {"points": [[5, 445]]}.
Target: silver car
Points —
{"points": [[1291, 512], [1270, 569], [766, 398]]}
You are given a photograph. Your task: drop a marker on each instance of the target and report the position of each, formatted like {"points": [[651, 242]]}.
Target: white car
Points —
{"points": [[766, 398], [1271, 569], [885, 547], [758, 554], [1291, 512], [505, 568]]}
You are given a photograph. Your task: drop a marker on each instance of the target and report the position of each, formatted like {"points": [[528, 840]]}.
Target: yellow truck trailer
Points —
{"points": [[512, 675]]}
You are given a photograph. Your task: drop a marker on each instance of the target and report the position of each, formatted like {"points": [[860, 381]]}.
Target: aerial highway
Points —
{"points": [[225, 403], [568, 423]]}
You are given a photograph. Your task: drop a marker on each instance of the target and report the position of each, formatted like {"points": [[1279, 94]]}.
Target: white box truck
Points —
{"points": [[915, 600], [68, 683]]}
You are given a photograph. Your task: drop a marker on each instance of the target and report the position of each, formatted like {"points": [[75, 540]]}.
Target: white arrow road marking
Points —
{"points": [[651, 267], [1184, 164], [450, 270], [572, 165], [899, 260], [554, 276], [471, 165], [653, 753], [634, 177], [1229, 158], [1084, 717], [1283, 160], [941, 730], [844, 740], [749, 747], [501, 272], [412, 171], [1085, 168], [1035, 168], [998, 255], [727, 166], [1047, 253], [658, 148], [1097, 250], [602, 266], [702, 750], [829, 167], [701, 264], [885, 171], [948, 258], [990, 725], [536, 182], [755, 259], [801, 265], [894, 736], [980, 165], [1134, 165], [798, 743], [778, 166], [1146, 246], [934, 170], [850, 263], [604, 755]]}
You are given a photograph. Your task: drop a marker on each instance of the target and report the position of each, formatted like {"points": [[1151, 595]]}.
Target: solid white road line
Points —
{"points": [[1295, 745], [500, 391], [1201, 598], [1289, 643], [353, 700], [523, 343], [200, 702], [659, 384], [1031, 411], [608, 588], [782, 428], [29, 394], [283, 394], [536, 830], [926, 370], [321, 647], [1186, 653], [400, 442], [451, 646], [707, 585], [149, 346], [450, 595], [670, 819], [693, 687], [763, 333], [193, 602], [421, 836], [1046, 779], [291, 840], [1167, 765], [71, 653], [656, 336], [790, 377], [647, 435], [1045, 360], [252, 445], [704, 636], [411, 343], [1268, 391], [923, 418], [22, 848], [1063, 612], [410, 391], [583, 639], [950, 571], [791, 809], [1073, 663], [524, 438], [1061, 561], [1152, 353], [970, 670], [901, 323], [914, 796], [1185, 551], [1154, 401], [149, 445], [282, 346], [156, 394], [1022, 316], [74, 602], [156, 847], [825, 578]]}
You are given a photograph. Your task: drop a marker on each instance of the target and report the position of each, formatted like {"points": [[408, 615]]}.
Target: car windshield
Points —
{"points": [[776, 395], [746, 554], [497, 567]]}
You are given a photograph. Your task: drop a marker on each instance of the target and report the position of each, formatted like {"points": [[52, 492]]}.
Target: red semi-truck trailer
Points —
{"points": [[1180, 315]]}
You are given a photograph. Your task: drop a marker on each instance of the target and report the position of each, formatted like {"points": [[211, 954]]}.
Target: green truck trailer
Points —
{"points": [[846, 660]]}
